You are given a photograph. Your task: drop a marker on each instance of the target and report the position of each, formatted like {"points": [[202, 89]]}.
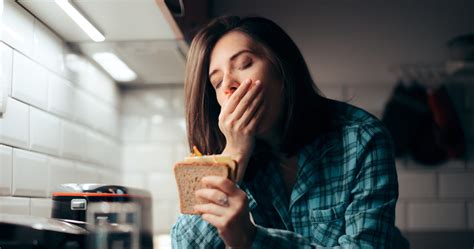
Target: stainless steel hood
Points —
{"points": [[142, 33]]}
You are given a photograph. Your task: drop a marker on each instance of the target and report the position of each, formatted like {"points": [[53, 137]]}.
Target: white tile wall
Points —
{"points": [[135, 129], [14, 205], [61, 171], [48, 48], [18, 27], [105, 119], [106, 90], [101, 150], [469, 126], [163, 214], [94, 147], [136, 180], [177, 101], [163, 186], [51, 111], [456, 185], [113, 154], [469, 96], [454, 164], [44, 132], [169, 131], [417, 184], [470, 154], [148, 158], [436, 216], [182, 150], [6, 65], [31, 87], [14, 124], [72, 140], [107, 176], [60, 96], [87, 173], [41, 207], [30, 174], [133, 105], [94, 113], [401, 215], [5, 170], [470, 209]]}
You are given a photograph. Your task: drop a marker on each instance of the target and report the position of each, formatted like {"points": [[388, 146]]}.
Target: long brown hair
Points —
{"points": [[305, 115]]}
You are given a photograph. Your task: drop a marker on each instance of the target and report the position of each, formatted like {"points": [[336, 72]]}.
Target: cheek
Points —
{"points": [[222, 98]]}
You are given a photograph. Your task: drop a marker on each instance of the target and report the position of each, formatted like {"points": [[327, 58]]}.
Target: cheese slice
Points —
{"points": [[216, 159]]}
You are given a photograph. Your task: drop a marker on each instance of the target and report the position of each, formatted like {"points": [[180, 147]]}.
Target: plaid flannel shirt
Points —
{"points": [[344, 195]]}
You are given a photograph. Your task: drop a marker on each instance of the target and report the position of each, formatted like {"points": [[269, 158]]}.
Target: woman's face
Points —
{"points": [[235, 58]]}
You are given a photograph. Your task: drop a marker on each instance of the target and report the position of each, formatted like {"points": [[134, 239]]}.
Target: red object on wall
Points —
{"points": [[451, 135]]}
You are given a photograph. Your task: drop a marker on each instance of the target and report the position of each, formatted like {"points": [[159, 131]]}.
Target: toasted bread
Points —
{"points": [[188, 174]]}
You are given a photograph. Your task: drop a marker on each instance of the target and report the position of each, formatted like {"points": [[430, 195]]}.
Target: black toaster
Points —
{"points": [[71, 202]]}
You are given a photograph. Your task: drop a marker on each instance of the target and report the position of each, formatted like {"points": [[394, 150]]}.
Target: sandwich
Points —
{"points": [[192, 169]]}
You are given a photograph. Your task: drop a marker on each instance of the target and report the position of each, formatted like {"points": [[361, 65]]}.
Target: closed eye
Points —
{"points": [[246, 65], [218, 84]]}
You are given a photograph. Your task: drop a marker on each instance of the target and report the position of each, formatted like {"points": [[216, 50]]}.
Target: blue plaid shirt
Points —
{"points": [[344, 195]]}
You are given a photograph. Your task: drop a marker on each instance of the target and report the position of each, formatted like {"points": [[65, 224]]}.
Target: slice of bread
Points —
{"points": [[216, 159], [188, 176]]}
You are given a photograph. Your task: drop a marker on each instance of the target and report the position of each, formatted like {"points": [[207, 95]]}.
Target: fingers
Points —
{"points": [[251, 113], [210, 208], [237, 96], [223, 184], [253, 120], [248, 100], [213, 195], [212, 219]]}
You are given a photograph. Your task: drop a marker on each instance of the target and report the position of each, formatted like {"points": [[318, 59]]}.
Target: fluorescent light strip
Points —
{"points": [[114, 66], [80, 20]]}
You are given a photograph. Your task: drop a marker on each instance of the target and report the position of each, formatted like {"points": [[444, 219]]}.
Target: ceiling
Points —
{"points": [[142, 33]]}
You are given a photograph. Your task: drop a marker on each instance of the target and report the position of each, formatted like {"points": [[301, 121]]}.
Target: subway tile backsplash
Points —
{"points": [[60, 96], [44, 132], [6, 63], [60, 124], [15, 123], [5, 170], [30, 174], [14, 205], [30, 81], [19, 28], [436, 215]]}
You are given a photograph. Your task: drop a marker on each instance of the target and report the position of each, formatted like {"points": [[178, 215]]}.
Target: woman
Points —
{"points": [[312, 171]]}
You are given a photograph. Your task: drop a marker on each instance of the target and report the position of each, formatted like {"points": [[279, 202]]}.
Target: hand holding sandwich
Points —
{"points": [[227, 210], [238, 121]]}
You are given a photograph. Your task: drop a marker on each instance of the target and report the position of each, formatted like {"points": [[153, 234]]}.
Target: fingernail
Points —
{"points": [[258, 82], [247, 81]]}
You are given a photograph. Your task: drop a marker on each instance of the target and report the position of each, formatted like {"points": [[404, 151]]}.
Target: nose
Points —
{"points": [[229, 84]]}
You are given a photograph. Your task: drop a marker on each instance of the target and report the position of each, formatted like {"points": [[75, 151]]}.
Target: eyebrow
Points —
{"points": [[232, 58]]}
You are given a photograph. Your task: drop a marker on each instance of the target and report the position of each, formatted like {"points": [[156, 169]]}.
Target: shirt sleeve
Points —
{"points": [[190, 231], [370, 216], [282, 239]]}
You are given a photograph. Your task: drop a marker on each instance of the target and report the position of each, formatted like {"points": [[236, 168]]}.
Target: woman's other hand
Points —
{"points": [[227, 210], [239, 120]]}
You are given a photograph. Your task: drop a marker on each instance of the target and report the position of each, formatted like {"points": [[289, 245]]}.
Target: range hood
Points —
{"points": [[142, 33]]}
